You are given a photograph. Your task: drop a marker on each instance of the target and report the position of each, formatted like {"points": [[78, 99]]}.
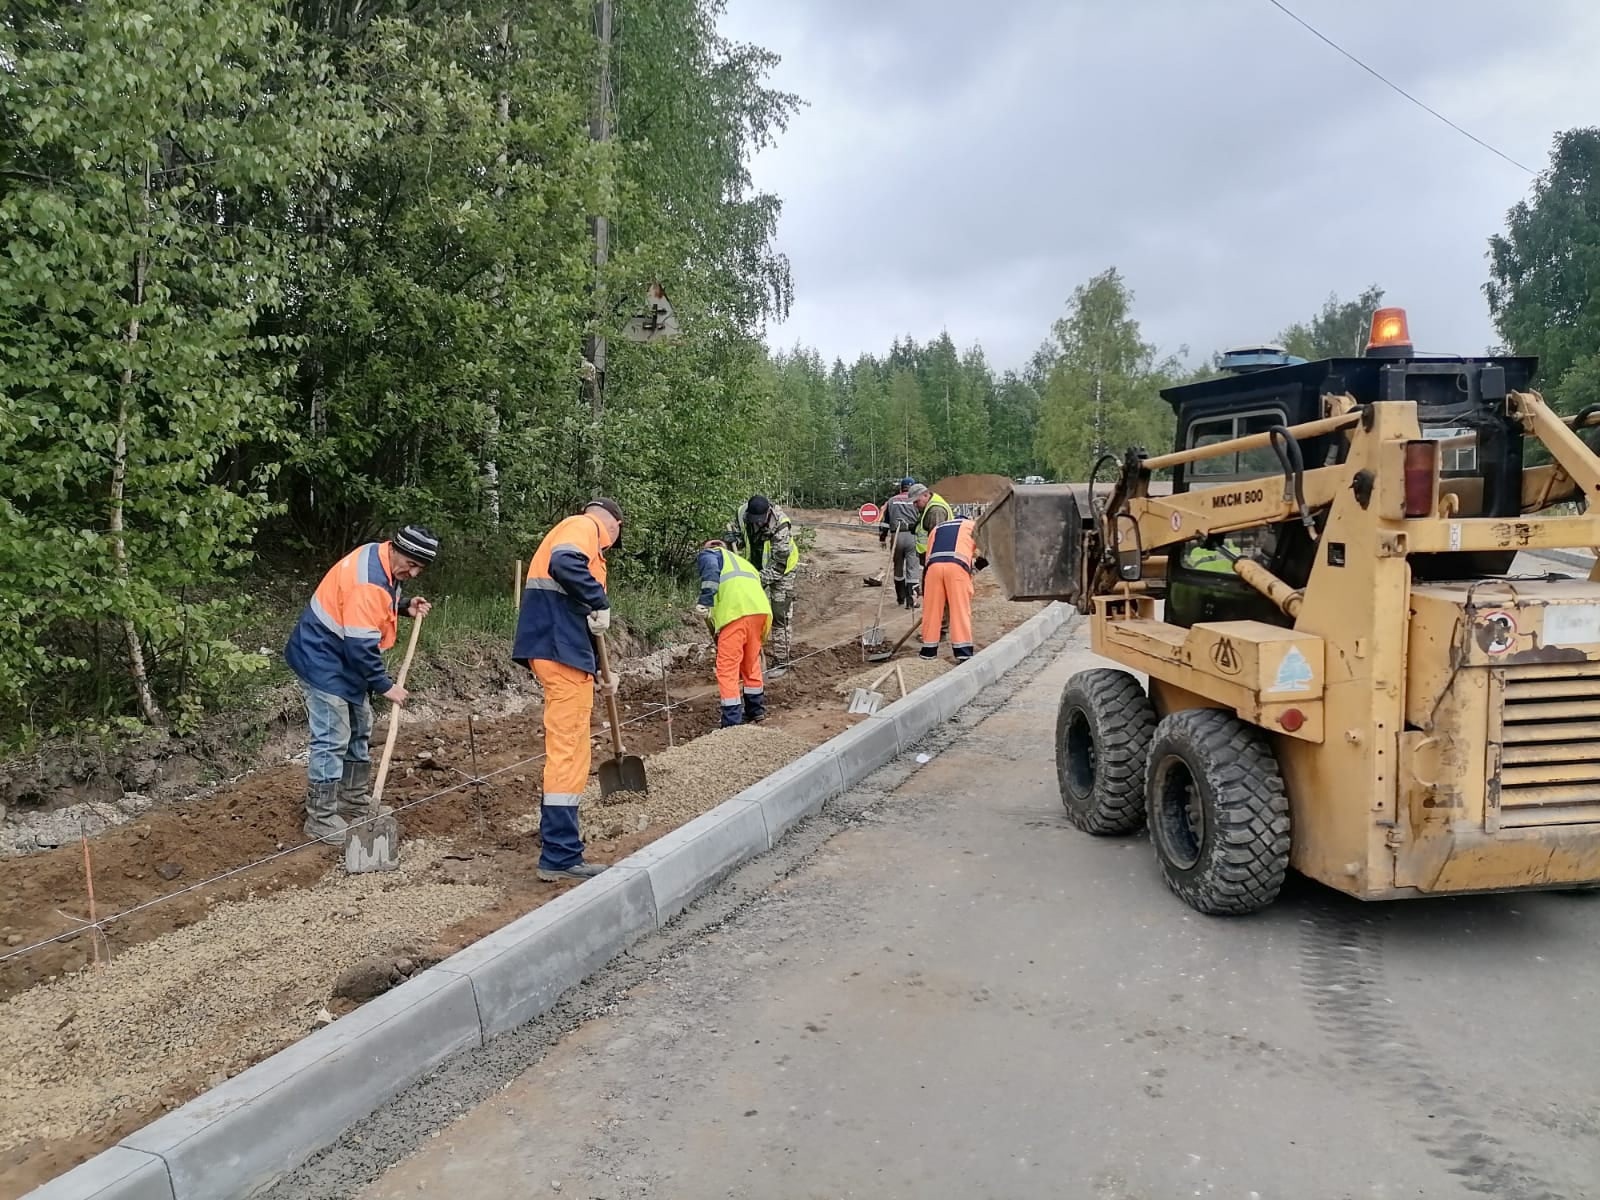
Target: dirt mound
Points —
{"points": [[916, 669], [972, 489]]}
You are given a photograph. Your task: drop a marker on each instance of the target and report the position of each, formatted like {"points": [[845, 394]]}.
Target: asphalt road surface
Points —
{"points": [[940, 989]]}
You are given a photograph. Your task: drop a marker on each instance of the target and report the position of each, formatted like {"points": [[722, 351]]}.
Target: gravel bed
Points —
{"points": [[197, 1005]]}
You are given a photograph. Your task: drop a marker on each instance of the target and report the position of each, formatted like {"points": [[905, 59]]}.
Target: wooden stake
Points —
{"points": [[516, 586], [900, 677], [88, 880]]}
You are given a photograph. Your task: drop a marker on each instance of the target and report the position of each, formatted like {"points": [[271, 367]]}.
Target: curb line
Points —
{"points": [[236, 1139]]}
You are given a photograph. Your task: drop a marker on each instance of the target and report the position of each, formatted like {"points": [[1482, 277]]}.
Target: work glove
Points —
{"points": [[600, 620], [703, 611], [980, 563], [883, 536], [606, 684]]}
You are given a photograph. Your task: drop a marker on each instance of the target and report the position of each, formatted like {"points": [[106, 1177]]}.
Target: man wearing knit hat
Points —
{"points": [[336, 653], [564, 604]]}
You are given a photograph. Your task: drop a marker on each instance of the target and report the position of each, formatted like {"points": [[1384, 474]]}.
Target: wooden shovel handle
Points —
{"points": [[394, 717], [611, 697]]}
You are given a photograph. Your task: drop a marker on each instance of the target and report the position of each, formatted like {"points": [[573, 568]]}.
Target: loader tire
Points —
{"points": [[1103, 730], [1218, 812]]}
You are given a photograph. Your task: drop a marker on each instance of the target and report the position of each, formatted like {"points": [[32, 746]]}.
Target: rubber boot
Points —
{"points": [[323, 821], [755, 708], [355, 791], [899, 593], [731, 716]]}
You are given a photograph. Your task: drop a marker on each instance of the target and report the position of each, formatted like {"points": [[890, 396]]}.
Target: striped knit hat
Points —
{"points": [[418, 543]]}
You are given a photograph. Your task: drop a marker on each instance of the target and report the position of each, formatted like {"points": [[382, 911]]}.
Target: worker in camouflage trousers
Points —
{"points": [[899, 521], [336, 652], [765, 535]]}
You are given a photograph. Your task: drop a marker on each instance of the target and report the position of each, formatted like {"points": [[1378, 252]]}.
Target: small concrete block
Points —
{"points": [[115, 1174], [796, 791], [861, 750], [243, 1134], [693, 858], [521, 969]]}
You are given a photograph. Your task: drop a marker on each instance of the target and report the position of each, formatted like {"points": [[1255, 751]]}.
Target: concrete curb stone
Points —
{"points": [[689, 861], [243, 1134], [797, 791], [237, 1138], [519, 970], [116, 1174]]}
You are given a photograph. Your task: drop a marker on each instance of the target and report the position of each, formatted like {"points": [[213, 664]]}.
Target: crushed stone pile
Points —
{"points": [[686, 781], [917, 671], [182, 1012], [972, 489]]}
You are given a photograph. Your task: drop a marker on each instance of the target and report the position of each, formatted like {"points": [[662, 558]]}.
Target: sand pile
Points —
{"points": [[917, 671], [177, 1014], [690, 779], [972, 489]]}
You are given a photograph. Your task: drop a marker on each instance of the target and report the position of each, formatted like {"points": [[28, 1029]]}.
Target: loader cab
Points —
{"points": [[1460, 401]]}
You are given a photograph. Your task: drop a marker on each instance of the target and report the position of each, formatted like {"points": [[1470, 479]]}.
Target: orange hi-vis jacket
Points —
{"points": [[566, 582], [954, 542], [352, 617]]}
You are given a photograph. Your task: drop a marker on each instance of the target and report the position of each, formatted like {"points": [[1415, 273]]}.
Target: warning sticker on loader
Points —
{"points": [[1294, 673]]}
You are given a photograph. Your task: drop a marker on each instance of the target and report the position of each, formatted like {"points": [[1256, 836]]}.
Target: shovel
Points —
{"points": [[874, 640], [868, 699], [623, 772], [373, 842]]}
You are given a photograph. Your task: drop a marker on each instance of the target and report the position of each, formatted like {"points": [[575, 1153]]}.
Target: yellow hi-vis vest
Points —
{"points": [[922, 533], [1204, 558], [739, 594]]}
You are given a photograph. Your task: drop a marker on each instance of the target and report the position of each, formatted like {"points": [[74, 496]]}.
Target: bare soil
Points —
{"points": [[208, 975]]}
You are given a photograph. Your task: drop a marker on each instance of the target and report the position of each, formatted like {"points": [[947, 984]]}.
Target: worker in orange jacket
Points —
{"points": [[564, 604], [947, 570], [336, 652]]}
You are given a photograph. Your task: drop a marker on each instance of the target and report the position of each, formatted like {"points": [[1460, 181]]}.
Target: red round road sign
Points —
{"points": [[868, 513]]}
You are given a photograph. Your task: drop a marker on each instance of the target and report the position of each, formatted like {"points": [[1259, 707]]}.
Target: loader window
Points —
{"points": [[1239, 465]]}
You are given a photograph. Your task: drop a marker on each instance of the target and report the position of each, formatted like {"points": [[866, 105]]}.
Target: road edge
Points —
{"points": [[236, 1139]]}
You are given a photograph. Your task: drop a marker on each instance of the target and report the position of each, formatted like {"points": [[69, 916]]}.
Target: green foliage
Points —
{"points": [[283, 275], [1101, 393], [1340, 330], [150, 158], [1542, 272]]}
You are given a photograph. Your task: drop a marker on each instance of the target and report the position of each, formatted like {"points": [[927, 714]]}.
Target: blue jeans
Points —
{"points": [[340, 733]]}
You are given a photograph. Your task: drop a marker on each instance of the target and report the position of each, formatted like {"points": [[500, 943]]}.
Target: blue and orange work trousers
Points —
{"points": [[947, 584], [568, 707], [739, 683]]}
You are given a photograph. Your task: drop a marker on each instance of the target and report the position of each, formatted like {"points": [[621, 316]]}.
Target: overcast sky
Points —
{"points": [[963, 165]]}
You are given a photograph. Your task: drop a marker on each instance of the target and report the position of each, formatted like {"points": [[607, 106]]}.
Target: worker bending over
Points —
{"points": [[740, 615], [766, 535], [932, 510], [564, 604], [336, 652], [899, 521], [947, 581]]}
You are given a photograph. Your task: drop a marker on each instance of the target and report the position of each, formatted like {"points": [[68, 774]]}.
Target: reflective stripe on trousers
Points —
{"points": [[945, 583], [568, 707]]}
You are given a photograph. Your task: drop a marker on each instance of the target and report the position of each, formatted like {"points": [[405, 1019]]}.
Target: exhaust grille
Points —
{"points": [[1549, 745]]}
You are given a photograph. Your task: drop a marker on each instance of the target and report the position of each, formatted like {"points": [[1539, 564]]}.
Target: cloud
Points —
{"points": [[964, 167]]}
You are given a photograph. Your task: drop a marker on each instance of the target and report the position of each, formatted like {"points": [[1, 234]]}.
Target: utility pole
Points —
{"points": [[595, 350]]}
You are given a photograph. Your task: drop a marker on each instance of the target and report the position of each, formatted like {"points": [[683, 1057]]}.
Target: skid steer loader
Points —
{"points": [[1344, 674]]}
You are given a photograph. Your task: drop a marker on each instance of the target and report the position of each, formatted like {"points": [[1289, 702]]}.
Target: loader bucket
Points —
{"points": [[1033, 537]]}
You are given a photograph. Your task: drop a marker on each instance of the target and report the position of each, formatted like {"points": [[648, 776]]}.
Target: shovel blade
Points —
{"points": [[624, 774], [372, 845], [863, 701]]}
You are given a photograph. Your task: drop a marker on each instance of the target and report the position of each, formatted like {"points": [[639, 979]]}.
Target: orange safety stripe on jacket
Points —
{"points": [[350, 604]]}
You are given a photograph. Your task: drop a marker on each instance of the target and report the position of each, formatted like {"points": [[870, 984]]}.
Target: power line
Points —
{"points": [[1387, 82]]}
